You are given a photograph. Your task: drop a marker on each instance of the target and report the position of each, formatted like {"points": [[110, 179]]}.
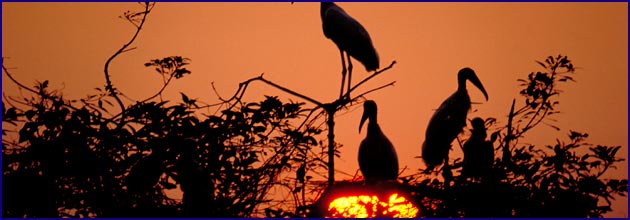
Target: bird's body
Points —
{"points": [[445, 124], [378, 160], [478, 153], [196, 184], [145, 174], [350, 37], [449, 120]]}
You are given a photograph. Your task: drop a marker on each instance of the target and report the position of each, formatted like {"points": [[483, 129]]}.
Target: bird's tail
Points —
{"points": [[434, 154]]}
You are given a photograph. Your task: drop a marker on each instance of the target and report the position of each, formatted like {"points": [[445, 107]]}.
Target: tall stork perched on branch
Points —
{"points": [[377, 157], [449, 120], [350, 37]]}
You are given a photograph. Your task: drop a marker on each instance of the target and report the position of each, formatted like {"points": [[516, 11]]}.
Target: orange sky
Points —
{"points": [[68, 43]]}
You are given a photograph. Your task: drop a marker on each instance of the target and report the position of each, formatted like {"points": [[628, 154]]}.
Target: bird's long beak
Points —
{"points": [[475, 81], [363, 119]]}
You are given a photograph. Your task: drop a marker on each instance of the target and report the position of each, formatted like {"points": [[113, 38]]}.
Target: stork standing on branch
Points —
{"points": [[449, 120], [377, 157], [350, 37]]}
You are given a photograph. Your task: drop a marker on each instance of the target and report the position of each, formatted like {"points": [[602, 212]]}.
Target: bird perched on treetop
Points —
{"points": [[478, 153], [377, 157], [195, 182], [145, 173], [350, 37], [449, 120]]}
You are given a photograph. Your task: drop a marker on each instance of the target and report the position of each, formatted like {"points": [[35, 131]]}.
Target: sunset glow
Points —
{"points": [[67, 44], [365, 206]]}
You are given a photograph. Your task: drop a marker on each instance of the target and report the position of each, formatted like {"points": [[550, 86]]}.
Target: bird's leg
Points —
{"points": [[349, 75], [447, 173], [343, 73]]}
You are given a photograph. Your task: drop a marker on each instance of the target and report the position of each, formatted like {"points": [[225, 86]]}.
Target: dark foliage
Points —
{"points": [[63, 157], [70, 160], [74, 158], [560, 180]]}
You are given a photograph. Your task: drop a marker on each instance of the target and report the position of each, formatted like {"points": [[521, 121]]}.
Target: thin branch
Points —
{"points": [[170, 78], [243, 87], [238, 95], [129, 49], [44, 95], [371, 76], [290, 91], [375, 89], [109, 87], [508, 137], [217, 92], [308, 116], [4, 68]]}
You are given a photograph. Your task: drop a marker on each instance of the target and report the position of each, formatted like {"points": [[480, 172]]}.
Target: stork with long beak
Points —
{"points": [[377, 157], [449, 120]]}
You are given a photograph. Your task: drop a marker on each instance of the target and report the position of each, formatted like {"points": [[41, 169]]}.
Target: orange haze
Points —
{"points": [[68, 44]]}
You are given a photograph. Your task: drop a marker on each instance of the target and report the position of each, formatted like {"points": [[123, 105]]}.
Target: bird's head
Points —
{"points": [[469, 74], [478, 124], [369, 111]]}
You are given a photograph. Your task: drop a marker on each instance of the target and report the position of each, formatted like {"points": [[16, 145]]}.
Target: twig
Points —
{"points": [[4, 68], [109, 87], [459, 142], [375, 89], [243, 87], [371, 76], [291, 91], [161, 89], [44, 95], [308, 116], [508, 137]]}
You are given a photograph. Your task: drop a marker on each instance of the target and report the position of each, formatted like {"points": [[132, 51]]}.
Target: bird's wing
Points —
{"points": [[350, 36], [378, 158], [342, 28], [389, 152], [448, 120], [444, 126], [331, 22]]}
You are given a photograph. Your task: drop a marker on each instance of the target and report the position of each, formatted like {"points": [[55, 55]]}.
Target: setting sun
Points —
{"points": [[224, 109], [365, 206]]}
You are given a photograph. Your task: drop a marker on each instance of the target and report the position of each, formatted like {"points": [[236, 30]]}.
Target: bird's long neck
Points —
{"points": [[373, 127], [461, 84]]}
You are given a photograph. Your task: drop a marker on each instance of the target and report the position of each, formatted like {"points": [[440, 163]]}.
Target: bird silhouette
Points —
{"points": [[350, 37], [449, 120], [478, 153], [145, 173], [196, 184], [377, 157]]}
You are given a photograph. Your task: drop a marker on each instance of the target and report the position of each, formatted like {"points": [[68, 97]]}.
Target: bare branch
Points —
{"points": [[375, 89], [44, 95], [109, 87], [161, 89], [243, 86], [291, 92], [6, 70], [371, 76]]}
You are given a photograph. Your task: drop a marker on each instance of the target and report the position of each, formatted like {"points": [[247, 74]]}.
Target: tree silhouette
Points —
{"points": [[560, 180], [81, 158]]}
